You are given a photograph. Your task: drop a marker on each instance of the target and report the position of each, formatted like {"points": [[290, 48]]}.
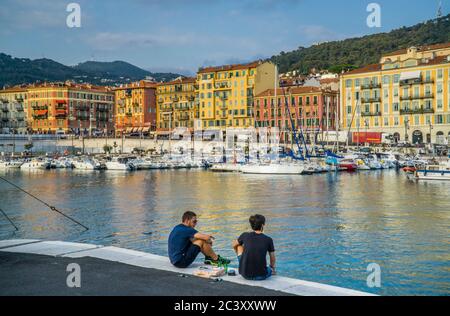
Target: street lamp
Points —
{"points": [[71, 119], [366, 124], [431, 128], [406, 129]]}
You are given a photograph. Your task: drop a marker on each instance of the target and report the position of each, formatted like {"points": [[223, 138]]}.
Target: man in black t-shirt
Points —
{"points": [[252, 248]]}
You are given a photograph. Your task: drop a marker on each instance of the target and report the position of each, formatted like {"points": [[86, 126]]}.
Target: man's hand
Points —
{"points": [[210, 239], [274, 271]]}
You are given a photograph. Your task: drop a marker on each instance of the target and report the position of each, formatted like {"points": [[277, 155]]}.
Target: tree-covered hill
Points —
{"points": [[356, 52], [23, 70]]}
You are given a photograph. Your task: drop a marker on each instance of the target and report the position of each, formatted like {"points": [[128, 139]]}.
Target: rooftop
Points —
{"points": [[229, 67], [289, 90], [420, 49]]}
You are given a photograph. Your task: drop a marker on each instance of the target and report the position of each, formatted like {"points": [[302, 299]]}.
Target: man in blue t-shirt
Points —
{"points": [[185, 243]]}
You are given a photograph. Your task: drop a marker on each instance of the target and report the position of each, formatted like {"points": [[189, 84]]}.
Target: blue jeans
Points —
{"points": [[258, 278]]}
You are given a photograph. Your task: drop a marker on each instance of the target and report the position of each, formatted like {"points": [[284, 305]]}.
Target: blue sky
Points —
{"points": [[182, 35]]}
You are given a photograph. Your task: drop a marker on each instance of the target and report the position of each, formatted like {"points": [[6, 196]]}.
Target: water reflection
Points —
{"points": [[327, 228]]}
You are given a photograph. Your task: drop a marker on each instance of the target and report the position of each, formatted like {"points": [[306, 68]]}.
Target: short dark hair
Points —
{"points": [[188, 216], [256, 221]]}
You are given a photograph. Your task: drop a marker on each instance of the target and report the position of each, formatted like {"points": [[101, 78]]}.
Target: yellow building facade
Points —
{"points": [[176, 106], [405, 95], [225, 95]]}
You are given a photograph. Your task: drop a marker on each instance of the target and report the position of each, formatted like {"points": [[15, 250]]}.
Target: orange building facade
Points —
{"points": [[135, 108], [70, 108]]}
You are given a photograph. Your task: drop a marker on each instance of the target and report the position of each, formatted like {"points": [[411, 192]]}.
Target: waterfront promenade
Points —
{"points": [[34, 267]]}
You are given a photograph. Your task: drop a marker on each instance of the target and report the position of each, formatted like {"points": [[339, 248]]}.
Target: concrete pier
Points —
{"points": [[35, 267]]}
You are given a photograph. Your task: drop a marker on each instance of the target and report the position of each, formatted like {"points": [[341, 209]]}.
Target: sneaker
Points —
{"points": [[208, 260], [220, 261]]}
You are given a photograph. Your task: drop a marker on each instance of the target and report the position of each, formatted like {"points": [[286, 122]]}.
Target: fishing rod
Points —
{"points": [[51, 207], [4, 214]]}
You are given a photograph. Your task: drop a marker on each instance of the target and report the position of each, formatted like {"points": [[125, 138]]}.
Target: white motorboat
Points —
{"points": [[362, 165], [273, 168], [434, 172], [120, 163], [35, 164], [86, 164], [11, 164], [143, 164]]}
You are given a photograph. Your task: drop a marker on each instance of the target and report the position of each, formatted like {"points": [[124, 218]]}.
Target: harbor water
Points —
{"points": [[327, 228]]}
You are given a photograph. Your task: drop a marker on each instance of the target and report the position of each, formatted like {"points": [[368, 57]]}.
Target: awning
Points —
{"points": [[41, 112], [410, 75], [129, 129]]}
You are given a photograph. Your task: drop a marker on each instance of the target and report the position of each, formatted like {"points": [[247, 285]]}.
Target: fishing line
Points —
{"points": [[17, 229], [46, 204]]}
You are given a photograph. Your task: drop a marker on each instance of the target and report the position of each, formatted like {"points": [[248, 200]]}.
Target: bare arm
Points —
{"points": [[272, 261], [205, 237]]}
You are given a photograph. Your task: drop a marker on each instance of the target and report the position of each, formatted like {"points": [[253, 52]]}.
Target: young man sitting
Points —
{"points": [[185, 243], [252, 248]]}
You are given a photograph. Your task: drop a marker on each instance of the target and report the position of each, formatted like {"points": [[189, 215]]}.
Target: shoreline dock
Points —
{"points": [[38, 268]]}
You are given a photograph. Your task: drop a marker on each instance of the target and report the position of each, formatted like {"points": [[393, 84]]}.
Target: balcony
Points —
{"points": [[222, 86], [371, 100], [83, 117], [377, 113], [184, 117], [102, 108], [19, 107], [19, 99], [5, 109], [370, 86], [415, 97], [417, 111], [102, 118], [83, 107]]}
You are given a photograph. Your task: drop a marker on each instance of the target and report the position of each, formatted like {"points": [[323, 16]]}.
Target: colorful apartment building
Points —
{"points": [[406, 95], [70, 108], [135, 108], [13, 112], [176, 106], [225, 94], [309, 109]]}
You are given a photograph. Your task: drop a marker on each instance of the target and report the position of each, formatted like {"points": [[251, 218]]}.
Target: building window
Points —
{"points": [[439, 119], [348, 83]]}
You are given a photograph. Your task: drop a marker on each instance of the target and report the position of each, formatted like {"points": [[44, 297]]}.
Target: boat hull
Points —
{"points": [[273, 169], [441, 175]]}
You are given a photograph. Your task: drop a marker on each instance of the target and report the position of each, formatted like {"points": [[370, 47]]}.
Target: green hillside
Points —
{"points": [[356, 52]]}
